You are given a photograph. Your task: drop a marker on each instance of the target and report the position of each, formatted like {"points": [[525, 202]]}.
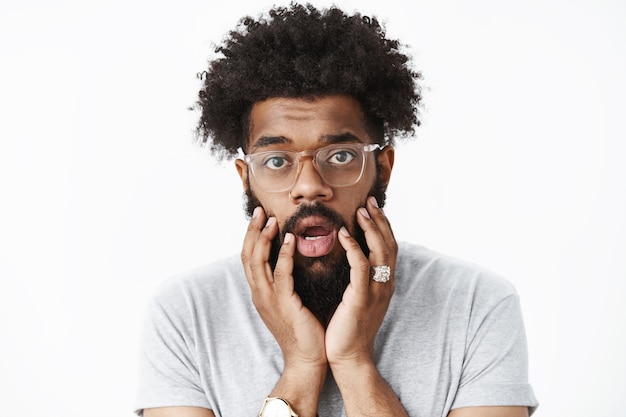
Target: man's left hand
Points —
{"points": [[351, 332]]}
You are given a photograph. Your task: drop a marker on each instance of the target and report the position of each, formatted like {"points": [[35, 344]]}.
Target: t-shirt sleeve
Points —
{"points": [[168, 373], [495, 369]]}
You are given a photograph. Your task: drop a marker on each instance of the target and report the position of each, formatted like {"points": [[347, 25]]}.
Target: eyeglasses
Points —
{"points": [[339, 165]]}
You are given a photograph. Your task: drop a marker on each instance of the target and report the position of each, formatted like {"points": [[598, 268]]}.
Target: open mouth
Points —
{"points": [[315, 232], [315, 237]]}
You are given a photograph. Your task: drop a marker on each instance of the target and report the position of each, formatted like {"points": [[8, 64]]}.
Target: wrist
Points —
{"points": [[297, 373], [353, 362], [300, 386], [297, 380], [353, 368]]}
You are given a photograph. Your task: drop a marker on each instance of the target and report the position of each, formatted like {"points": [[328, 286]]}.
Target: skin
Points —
{"points": [[346, 346]]}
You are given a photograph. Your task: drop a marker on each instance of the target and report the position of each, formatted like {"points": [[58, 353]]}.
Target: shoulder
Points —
{"points": [[206, 284], [437, 275]]}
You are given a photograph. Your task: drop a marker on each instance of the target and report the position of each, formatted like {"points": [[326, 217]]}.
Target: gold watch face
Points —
{"points": [[275, 407]]}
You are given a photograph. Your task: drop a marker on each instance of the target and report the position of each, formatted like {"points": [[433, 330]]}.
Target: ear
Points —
{"points": [[242, 170], [385, 164]]}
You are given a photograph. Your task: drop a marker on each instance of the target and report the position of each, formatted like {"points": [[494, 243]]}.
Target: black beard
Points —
{"points": [[320, 282]]}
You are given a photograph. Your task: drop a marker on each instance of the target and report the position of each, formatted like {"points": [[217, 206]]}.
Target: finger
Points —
{"points": [[255, 226], [380, 239], [379, 251], [259, 262], [359, 265], [381, 221], [283, 273]]}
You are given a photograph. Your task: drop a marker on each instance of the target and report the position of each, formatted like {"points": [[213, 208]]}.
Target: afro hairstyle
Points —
{"points": [[302, 52]]}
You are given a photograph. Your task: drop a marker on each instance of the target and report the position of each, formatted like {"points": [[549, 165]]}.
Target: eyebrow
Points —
{"points": [[265, 141], [345, 137]]}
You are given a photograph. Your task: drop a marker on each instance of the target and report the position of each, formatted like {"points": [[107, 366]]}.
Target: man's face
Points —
{"points": [[311, 209]]}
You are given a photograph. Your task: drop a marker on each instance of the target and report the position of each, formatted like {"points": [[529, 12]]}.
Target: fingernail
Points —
{"points": [[270, 221], [373, 201], [364, 212], [256, 212], [344, 231], [288, 237]]}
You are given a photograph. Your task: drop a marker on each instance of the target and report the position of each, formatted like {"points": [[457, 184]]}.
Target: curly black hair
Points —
{"points": [[299, 51]]}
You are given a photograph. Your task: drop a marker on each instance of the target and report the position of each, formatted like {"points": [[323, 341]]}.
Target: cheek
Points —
{"points": [[348, 209], [356, 195], [355, 199], [276, 206]]}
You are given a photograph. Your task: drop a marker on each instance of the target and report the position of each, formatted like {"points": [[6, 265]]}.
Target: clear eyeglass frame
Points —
{"points": [[283, 181]]}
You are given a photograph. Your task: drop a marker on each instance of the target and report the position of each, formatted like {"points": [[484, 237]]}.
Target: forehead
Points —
{"points": [[306, 123]]}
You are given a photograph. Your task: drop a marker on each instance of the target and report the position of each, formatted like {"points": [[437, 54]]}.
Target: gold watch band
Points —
{"points": [[276, 406]]}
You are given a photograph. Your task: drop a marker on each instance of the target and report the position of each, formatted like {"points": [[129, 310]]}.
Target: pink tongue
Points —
{"points": [[316, 231]]}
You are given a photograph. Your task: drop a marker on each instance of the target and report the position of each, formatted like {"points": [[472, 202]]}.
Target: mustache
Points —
{"points": [[289, 226], [316, 209]]}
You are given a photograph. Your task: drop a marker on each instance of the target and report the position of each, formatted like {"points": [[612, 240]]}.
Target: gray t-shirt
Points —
{"points": [[453, 337]]}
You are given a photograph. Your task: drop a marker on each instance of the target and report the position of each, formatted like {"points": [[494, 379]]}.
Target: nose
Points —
{"points": [[309, 185]]}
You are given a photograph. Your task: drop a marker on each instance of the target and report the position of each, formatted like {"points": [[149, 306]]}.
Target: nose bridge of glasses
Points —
{"points": [[301, 158], [306, 154]]}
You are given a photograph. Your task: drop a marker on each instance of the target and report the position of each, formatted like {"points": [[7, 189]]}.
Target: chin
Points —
{"points": [[321, 264]]}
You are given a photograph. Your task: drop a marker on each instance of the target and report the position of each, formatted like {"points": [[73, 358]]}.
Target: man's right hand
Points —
{"points": [[296, 330]]}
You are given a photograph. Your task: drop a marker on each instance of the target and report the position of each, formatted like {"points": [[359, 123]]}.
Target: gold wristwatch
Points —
{"points": [[276, 407]]}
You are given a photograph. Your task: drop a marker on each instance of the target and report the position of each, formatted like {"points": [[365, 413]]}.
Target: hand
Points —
{"points": [[351, 332], [298, 333]]}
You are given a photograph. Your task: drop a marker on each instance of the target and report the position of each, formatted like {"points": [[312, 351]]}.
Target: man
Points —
{"points": [[303, 323]]}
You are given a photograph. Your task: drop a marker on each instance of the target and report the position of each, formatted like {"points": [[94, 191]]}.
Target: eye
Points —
{"points": [[341, 157], [275, 162]]}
